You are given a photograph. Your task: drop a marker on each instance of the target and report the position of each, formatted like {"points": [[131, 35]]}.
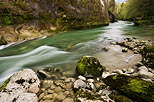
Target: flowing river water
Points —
{"points": [[63, 50]]}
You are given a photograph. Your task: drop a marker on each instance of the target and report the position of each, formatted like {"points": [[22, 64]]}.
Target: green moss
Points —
{"points": [[6, 20], [132, 87], [86, 94], [119, 98], [89, 65], [4, 84]]}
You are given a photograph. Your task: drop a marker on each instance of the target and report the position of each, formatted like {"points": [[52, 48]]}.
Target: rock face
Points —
{"points": [[22, 87], [76, 13], [89, 65], [134, 88]]}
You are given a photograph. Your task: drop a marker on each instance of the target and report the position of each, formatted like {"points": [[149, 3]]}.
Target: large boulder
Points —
{"points": [[21, 87], [89, 65], [134, 88]]}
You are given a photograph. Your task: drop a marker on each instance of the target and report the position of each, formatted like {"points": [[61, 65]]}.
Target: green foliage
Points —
{"points": [[140, 11]]}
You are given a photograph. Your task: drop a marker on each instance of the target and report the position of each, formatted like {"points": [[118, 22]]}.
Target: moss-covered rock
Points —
{"points": [[87, 95], [134, 88], [119, 98], [89, 65], [148, 56]]}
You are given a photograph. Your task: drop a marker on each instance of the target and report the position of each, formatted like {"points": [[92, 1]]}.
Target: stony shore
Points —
{"points": [[91, 83]]}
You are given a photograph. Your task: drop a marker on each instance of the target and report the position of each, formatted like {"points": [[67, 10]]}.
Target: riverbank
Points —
{"points": [[88, 85]]}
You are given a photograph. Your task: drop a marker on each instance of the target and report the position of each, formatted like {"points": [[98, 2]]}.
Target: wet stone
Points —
{"points": [[47, 83], [48, 97], [41, 96], [58, 89], [68, 100], [50, 91]]}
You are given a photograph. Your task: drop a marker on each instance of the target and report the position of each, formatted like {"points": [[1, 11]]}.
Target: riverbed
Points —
{"points": [[63, 50]]}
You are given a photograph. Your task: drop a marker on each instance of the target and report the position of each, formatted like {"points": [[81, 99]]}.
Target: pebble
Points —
{"points": [[105, 74], [79, 84], [52, 86], [69, 80], [48, 97], [41, 96], [125, 50], [58, 89], [82, 78], [68, 100], [66, 93], [47, 83], [50, 91], [130, 71], [90, 80], [118, 71], [69, 85]]}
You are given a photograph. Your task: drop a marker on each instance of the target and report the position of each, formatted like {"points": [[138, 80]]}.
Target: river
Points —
{"points": [[62, 50]]}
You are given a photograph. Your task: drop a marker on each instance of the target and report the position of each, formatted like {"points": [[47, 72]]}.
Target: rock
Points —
{"points": [[124, 70], [61, 97], [26, 97], [139, 64], [47, 83], [3, 41], [58, 89], [69, 86], [22, 87], [124, 50], [89, 65], [134, 88], [50, 91], [58, 97], [91, 86], [69, 80], [130, 71], [90, 80], [48, 97], [113, 43], [105, 74], [79, 84], [105, 49], [148, 56], [81, 77], [66, 93], [118, 71], [41, 96], [144, 72], [68, 100], [42, 74], [52, 87], [106, 92], [87, 96], [119, 98]]}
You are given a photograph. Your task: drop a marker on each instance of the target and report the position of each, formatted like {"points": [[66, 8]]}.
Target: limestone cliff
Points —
{"points": [[51, 15], [65, 14]]}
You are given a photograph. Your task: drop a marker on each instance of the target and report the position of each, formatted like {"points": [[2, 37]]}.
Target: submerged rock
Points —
{"points": [[134, 88], [89, 65]]}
